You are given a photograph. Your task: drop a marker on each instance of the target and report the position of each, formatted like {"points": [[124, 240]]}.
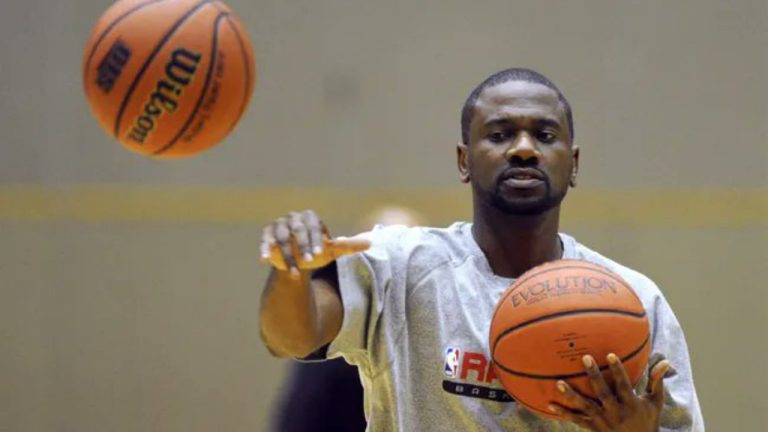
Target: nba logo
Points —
{"points": [[451, 368]]}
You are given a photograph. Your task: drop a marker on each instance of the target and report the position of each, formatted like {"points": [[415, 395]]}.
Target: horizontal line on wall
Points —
{"points": [[190, 204]]}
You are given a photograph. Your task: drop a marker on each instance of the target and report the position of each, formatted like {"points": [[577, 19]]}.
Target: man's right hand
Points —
{"points": [[300, 242], [302, 311]]}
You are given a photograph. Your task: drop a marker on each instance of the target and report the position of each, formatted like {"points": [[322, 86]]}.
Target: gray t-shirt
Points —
{"points": [[417, 309]]}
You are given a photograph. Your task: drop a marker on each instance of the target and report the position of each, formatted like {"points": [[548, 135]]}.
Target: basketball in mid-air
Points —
{"points": [[168, 78], [552, 316]]}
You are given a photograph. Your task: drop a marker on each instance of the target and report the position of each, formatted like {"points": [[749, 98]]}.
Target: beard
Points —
{"points": [[521, 205]]}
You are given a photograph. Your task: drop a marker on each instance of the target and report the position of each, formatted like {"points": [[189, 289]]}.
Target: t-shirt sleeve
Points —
{"points": [[364, 280], [681, 405]]}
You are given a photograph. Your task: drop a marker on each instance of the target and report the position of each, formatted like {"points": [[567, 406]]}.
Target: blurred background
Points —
{"points": [[129, 287]]}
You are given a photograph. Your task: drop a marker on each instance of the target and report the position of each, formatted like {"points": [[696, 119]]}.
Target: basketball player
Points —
{"points": [[407, 309]]}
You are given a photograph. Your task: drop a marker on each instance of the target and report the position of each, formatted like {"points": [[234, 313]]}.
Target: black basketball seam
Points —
{"points": [[106, 31], [519, 283], [149, 60], [199, 103], [561, 314], [248, 83], [573, 375]]}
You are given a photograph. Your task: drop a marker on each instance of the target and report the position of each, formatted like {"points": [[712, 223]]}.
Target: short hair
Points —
{"points": [[512, 74]]}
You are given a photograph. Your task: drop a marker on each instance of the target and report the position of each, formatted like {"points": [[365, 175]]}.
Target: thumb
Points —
{"points": [[655, 387], [334, 248], [346, 246]]}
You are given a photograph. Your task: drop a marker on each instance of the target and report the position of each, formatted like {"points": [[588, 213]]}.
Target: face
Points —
{"points": [[520, 158]]}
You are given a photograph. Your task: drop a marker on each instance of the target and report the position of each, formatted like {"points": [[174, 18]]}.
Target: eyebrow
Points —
{"points": [[539, 121]]}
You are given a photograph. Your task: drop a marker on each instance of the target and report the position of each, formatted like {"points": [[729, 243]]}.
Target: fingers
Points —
{"points": [[574, 416], [655, 359], [316, 231], [348, 246], [656, 383], [621, 381], [300, 233], [300, 241], [576, 401], [600, 387], [283, 241], [580, 408], [267, 240]]}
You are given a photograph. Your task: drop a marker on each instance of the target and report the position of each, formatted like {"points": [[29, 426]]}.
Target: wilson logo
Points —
{"points": [[179, 72], [112, 65]]}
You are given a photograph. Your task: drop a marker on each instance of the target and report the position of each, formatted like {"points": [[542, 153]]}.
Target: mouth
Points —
{"points": [[519, 183], [523, 178]]}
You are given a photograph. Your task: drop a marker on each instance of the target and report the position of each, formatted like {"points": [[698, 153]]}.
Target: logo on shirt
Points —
{"points": [[451, 368], [471, 374]]}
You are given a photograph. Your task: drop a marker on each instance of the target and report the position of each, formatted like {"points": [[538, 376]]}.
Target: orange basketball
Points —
{"points": [[168, 78], [551, 317]]}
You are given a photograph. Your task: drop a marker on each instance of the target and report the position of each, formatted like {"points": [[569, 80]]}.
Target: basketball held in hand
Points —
{"points": [[551, 317], [168, 78]]}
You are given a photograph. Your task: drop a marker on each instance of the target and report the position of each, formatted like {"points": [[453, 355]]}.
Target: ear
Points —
{"points": [[575, 170], [462, 155]]}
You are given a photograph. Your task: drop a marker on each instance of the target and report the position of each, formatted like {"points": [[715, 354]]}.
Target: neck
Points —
{"points": [[513, 244]]}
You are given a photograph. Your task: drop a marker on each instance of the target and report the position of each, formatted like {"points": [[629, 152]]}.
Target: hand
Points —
{"points": [[618, 409], [300, 241]]}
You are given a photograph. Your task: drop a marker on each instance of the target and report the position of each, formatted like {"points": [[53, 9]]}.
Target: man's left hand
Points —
{"points": [[616, 409]]}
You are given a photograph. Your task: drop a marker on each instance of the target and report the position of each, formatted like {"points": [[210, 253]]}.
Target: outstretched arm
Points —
{"points": [[301, 310]]}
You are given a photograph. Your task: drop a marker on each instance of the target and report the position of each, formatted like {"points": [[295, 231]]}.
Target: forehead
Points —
{"points": [[520, 99]]}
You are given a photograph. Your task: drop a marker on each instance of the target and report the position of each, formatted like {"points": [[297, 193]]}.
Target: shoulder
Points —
{"points": [[419, 246]]}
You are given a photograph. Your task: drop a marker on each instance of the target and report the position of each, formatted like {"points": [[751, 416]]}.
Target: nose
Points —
{"points": [[523, 148]]}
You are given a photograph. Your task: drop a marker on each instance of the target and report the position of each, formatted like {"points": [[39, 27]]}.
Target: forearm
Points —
{"points": [[301, 314], [289, 315]]}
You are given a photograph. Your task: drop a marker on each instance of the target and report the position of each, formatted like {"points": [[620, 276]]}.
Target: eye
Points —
{"points": [[497, 136], [546, 137]]}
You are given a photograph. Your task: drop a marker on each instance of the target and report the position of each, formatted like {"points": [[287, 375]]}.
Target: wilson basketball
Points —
{"points": [[551, 317], [168, 78]]}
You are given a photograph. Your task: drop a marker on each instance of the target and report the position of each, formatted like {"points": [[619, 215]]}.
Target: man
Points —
{"points": [[400, 309]]}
